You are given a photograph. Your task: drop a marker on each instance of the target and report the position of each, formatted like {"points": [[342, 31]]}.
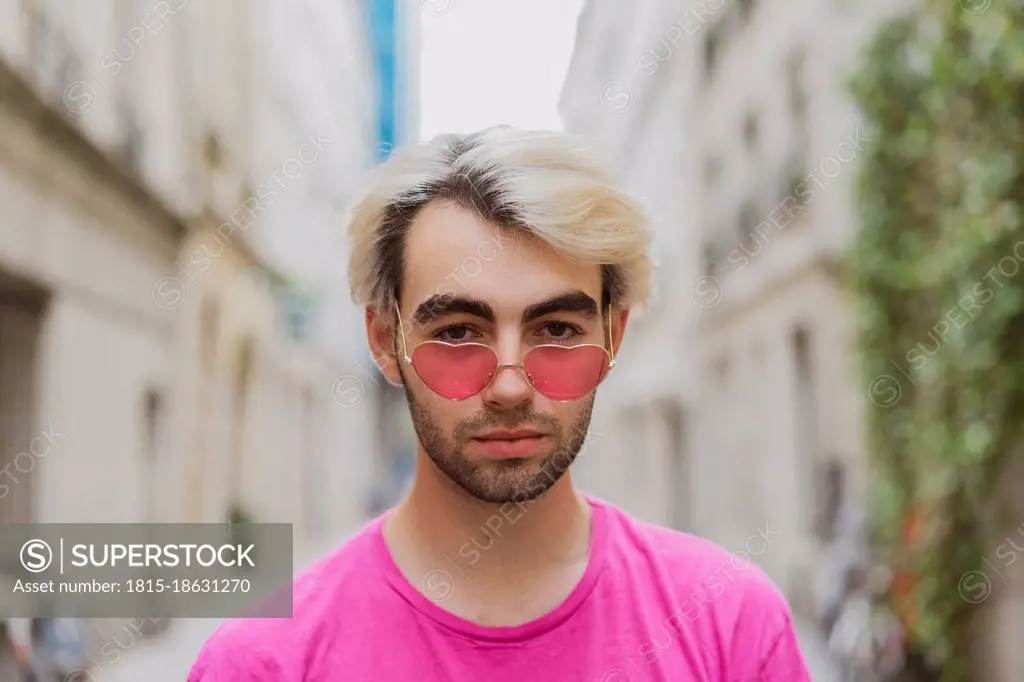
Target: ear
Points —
{"points": [[618, 331], [380, 333]]}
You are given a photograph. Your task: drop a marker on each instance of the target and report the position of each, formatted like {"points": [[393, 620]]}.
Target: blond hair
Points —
{"points": [[547, 184]]}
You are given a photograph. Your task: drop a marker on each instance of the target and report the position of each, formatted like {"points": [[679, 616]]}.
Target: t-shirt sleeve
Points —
{"points": [[783, 661]]}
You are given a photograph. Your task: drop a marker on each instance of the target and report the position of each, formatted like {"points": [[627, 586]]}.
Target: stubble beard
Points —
{"points": [[500, 482]]}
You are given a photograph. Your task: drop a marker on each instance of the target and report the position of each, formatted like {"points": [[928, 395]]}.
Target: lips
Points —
{"points": [[516, 434], [516, 443]]}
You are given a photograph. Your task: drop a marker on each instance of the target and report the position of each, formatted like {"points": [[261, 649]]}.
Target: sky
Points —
{"points": [[486, 62]]}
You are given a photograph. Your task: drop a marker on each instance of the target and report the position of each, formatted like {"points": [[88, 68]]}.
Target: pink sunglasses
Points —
{"points": [[458, 371]]}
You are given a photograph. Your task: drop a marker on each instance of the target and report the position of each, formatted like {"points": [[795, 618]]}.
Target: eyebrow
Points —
{"points": [[441, 305], [569, 302]]}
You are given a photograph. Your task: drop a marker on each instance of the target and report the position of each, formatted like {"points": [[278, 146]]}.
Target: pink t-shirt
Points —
{"points": [[653, 605]]}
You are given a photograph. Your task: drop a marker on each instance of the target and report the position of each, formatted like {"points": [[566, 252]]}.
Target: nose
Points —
{"points": [[510, 387]]}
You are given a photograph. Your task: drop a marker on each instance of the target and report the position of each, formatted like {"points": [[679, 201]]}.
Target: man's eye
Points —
{"points": [[454, 333], [562, 330]]}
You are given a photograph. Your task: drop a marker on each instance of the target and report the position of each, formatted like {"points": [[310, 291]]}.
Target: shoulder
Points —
{"points": [[722, 596], [695, 567], [251, 649]]}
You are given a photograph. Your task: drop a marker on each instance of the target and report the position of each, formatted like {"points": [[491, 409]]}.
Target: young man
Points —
{"points": [[498, 271]]}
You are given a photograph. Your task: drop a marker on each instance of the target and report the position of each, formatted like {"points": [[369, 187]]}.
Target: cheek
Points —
{"points": [[567, 415], [446, 414]]}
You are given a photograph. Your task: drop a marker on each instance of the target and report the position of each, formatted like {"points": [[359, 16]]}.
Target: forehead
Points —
{"points": [[450, 249]]}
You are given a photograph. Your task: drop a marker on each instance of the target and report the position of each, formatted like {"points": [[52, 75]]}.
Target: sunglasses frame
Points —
{"points": [[521, 365]]}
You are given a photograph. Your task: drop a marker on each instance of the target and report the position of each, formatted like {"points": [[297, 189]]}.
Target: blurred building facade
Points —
{"points": [[733, 122], [95, 216], [394, 32], [177, 332], [781, 399], [283, 146], [639, 450], [312, 59]]}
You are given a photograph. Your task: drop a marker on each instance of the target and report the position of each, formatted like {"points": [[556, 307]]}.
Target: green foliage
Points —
{"points": [[939, 271]]}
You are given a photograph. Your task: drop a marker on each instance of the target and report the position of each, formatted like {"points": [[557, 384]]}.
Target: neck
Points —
{"points": [[439, 524]]}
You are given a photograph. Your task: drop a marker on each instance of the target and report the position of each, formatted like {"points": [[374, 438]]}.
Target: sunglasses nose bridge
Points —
{"points": [[511, 365], [499, 367], [512, 353]]}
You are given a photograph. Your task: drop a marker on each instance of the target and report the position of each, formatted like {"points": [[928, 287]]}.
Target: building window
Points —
{"points": [[239, 408], [793, 176], [748, 219], [152, 403], [314, 474], [673, 418], [152, 408], [209, 321], [711, 49], [751, 131], [796, 170], [795, 84], [201, 455], [636, 471], [55, 63], [831, 477], [710, 255], [805, 422], [712, 171]]}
